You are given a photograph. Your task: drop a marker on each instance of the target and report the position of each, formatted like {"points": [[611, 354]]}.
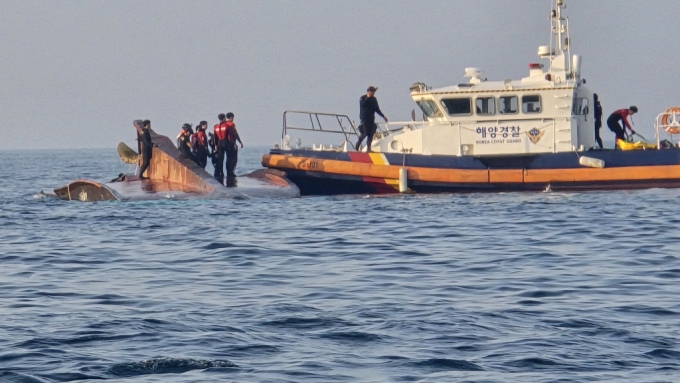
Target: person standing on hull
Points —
{"points": [[232, 149], [147, 148], [368, 107], [220, 137], [201, 150], [598, 119], [184, 142], [621, 115], [213, 148]]}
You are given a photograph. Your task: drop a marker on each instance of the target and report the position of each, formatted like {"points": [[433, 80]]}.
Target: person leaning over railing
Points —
{"points": [[615, 119]]}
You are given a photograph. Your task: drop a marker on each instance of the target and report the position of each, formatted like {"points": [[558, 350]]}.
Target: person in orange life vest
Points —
{"points": [[201, 150], [621, 115], [232, 149], [220, 138]]}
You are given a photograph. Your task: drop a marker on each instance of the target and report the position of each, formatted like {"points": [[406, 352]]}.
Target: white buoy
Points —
{"points": [[591, 162], [403, 180]]}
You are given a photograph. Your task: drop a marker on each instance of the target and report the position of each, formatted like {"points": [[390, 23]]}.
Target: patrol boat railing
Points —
{"points": [[345, 124]]}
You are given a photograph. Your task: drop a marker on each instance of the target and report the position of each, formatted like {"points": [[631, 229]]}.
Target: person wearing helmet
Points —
{"points": [[614, 122]]}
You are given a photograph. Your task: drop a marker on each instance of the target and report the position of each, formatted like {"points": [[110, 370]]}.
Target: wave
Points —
{"points": [[165, 366], [443, 364]]}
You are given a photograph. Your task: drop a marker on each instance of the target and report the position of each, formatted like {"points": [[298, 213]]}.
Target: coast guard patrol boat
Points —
{"points": [[534, 133]]}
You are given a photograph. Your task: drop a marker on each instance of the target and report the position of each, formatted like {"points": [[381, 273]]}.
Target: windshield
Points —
{"points": [[430, 108]]}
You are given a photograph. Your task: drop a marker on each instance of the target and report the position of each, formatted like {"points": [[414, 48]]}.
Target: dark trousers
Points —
{"points": [[597, 134], [367, 130], [188, 155], [146, 160], [220, 155], [232, 159], [615, 127], [202, 156]]}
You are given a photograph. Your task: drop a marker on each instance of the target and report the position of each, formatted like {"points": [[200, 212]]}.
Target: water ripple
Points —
{"points": [[533, 287]]}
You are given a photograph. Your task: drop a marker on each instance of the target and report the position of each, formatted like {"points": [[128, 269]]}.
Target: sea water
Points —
{"points": [[511, 287]]}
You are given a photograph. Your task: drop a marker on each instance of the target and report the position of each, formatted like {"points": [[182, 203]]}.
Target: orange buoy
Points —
{"points": [[670, 122]]}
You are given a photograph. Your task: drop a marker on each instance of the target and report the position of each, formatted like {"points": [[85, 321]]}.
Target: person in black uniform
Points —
{"points": [[598, 119], [147, 148], [213, 149], [368, 107], [184, 142], [232, 149]]}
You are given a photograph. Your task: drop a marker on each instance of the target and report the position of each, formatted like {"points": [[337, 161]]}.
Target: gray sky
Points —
{"points": [[74, 74]]}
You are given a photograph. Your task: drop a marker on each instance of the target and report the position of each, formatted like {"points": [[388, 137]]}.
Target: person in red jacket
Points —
{"points": [[231, 148], [220, 137], [621, 116], [201, 149]]}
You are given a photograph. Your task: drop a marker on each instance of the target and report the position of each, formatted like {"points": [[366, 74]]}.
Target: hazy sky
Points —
{"points": [[74, 74]]}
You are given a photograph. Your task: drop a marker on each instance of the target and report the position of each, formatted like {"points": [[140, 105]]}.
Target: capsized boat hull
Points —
{"points": [[171, 176], [263, 183], [328, 172]]}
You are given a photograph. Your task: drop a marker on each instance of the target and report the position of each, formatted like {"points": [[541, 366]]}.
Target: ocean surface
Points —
{"points": [[512, 287]]}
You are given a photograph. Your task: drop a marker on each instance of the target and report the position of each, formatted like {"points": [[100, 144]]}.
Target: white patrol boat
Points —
{"points": [[535, 133]]}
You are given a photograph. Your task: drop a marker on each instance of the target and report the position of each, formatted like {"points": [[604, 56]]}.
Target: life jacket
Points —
{"points": [[221, 131], [200, 138], [230, 129]]}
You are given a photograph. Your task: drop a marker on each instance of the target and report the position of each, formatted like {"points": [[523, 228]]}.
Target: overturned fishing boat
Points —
{"points": [[172, 176], [536, 133]]}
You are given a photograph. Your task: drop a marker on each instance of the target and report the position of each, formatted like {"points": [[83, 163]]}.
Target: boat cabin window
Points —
{"points": [[507, 104], [531, 104], [580, 106], [457, 106], [429, 107], [485, 106]]}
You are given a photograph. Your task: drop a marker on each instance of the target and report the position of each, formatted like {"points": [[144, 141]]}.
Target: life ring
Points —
{"points": [[670, 122]]}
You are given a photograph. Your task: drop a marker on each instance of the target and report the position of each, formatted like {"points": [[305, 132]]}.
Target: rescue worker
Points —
{"points": [[220, 137], [213, 148], [201, 150], [184, 143], [368, 107], [193, 139], [598, 119], [613, 122], [147, 148], [231, 148]]}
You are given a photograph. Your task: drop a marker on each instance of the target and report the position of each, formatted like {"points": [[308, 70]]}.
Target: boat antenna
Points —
{"points": [[559, 39]]}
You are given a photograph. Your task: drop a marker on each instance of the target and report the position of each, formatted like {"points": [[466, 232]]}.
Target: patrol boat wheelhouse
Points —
{"points": [[529, 134]]}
